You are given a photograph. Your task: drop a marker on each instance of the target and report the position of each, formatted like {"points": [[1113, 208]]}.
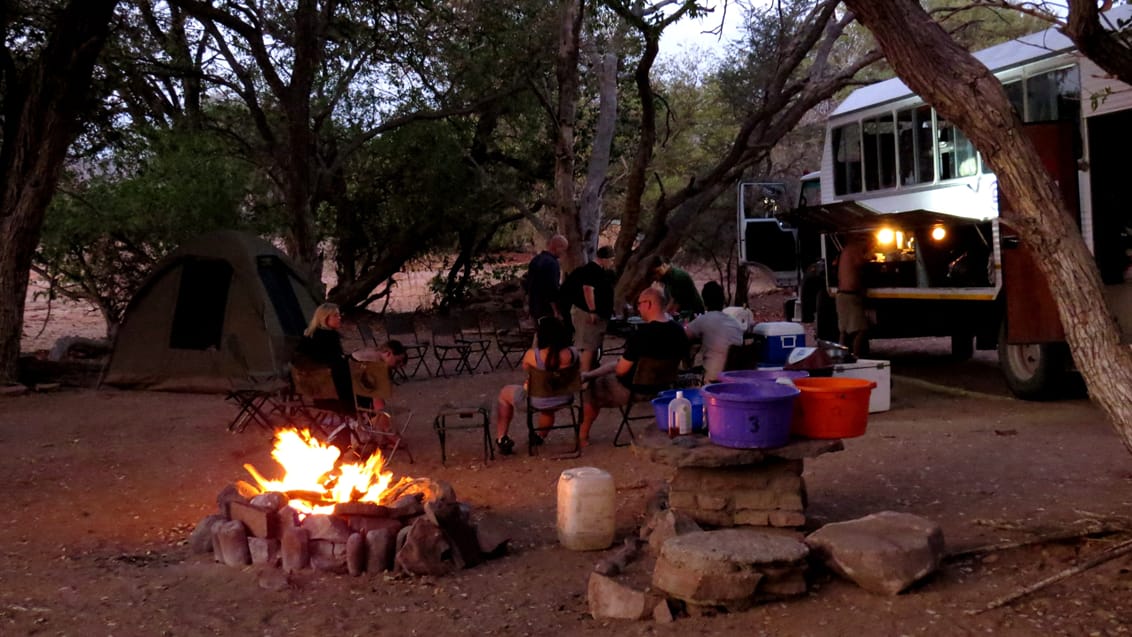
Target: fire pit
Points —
{"points": [[342, 517]]}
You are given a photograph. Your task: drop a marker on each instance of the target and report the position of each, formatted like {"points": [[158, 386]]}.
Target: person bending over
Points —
{"points": [[715, 330], [683, 299]]}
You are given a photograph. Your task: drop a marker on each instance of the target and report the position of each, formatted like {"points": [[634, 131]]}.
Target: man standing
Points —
{"points": [[678, 286], [588, 294], [658, 337], [543, 277], [851, 319]]}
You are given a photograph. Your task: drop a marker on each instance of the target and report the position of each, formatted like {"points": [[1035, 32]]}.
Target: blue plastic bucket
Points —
{"points": [[750, 415], [769, 375], [694, 396]]}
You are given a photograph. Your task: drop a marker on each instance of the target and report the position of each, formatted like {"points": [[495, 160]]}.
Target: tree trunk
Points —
{"points": [[42, 106], [567, 209], [1110, 51], [966, 93], [589, 212]]}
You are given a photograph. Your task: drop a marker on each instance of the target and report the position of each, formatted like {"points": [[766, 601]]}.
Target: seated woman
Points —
{"points": [[551, 351], [321, 345]]}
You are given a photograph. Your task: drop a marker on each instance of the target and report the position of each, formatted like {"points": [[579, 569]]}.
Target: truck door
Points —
{"points": [[763, 238], [1031, 311]]}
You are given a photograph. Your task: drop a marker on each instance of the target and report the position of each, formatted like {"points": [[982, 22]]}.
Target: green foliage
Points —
{"points": [[481, 274], [111, 222]]}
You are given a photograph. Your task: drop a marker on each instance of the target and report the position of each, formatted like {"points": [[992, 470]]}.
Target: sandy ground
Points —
{"points": [[104, 486]]}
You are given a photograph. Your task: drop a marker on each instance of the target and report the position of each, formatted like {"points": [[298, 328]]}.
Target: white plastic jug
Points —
{"points": [[680, 415], [586, 508]]}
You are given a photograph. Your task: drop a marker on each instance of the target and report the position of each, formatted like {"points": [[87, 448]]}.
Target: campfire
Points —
{"points": [[333, 515], [315, 481]]}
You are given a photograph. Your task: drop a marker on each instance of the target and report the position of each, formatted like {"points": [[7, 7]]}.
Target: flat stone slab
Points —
{"points": [[699, 451], [731, 567]]}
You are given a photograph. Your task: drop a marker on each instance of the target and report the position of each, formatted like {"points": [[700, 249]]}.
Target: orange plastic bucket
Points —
{"points": [[832, 407]]}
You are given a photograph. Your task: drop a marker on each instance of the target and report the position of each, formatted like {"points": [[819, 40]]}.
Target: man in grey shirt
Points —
{"points": [[716, 330]]}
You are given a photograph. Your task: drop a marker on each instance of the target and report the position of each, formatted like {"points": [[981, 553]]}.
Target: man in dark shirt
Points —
{"points": [[543, 277], [587, 295], [658, 337]]}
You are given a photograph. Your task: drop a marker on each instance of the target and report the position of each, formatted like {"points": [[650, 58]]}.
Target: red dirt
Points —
{"points": [[104, 486]]}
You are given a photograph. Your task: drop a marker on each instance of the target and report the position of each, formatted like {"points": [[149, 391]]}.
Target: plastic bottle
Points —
{"points": [[680, 415], [586, 509]]}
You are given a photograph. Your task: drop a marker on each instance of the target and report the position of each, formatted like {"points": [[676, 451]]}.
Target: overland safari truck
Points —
{"points": [[945, 264]]}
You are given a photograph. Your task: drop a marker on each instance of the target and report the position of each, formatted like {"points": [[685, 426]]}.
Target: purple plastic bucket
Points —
{"points": [[750, 415], [770, 375], [694, 396]]}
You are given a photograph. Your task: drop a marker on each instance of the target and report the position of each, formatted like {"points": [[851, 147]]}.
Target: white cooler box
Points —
{"points": [[877, 371]]}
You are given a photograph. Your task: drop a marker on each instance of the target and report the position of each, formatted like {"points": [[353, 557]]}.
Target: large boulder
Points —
{"points": [[883, 553]]}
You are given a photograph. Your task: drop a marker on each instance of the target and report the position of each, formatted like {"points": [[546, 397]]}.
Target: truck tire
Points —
{"points": [[1034, 371]]}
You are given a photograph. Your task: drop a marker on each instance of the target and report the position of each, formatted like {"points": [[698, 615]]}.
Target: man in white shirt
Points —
{"points": [[716, 330]]}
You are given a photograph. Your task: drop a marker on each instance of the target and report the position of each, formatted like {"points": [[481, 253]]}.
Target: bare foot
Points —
{"points": [[583, 442]]}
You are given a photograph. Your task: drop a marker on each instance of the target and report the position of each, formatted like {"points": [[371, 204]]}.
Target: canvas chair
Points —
{"points": [[257, 400], [471, 334], [447, 346], [402, 328], [613, 343], [545, 383], [650, 377], [511, 338], [318, 403], [378, 428]]}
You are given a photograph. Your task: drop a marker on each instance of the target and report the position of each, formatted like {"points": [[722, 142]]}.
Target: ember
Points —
{"points": [[343, 517]]}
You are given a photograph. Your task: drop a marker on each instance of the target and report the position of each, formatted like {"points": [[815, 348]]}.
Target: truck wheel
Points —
{"points": [[962, 346], [825, 317], [1033, 371]]}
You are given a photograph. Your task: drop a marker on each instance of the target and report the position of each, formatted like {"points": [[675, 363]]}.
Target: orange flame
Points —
{"points": [[311, 466]]}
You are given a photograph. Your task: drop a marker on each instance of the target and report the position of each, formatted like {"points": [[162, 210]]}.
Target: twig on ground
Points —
{"points": [[1113, 552], [1055, 536]]}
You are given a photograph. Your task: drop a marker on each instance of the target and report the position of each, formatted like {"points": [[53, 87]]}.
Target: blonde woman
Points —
{"points": [[321, 345]]}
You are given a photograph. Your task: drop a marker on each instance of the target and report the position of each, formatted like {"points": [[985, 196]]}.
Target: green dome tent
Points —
{"points": [[224, 306]]}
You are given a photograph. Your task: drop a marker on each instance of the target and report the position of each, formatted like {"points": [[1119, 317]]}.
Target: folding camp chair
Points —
{"points": [[510, 338], [447, 346], [402, 328], [377, 424], [257, 400], [329, 418], [650, 377], [475, 338], [545, 383], [366, 334]]}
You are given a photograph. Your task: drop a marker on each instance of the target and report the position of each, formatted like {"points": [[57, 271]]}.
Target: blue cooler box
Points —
{"points": [[781, 337]]}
